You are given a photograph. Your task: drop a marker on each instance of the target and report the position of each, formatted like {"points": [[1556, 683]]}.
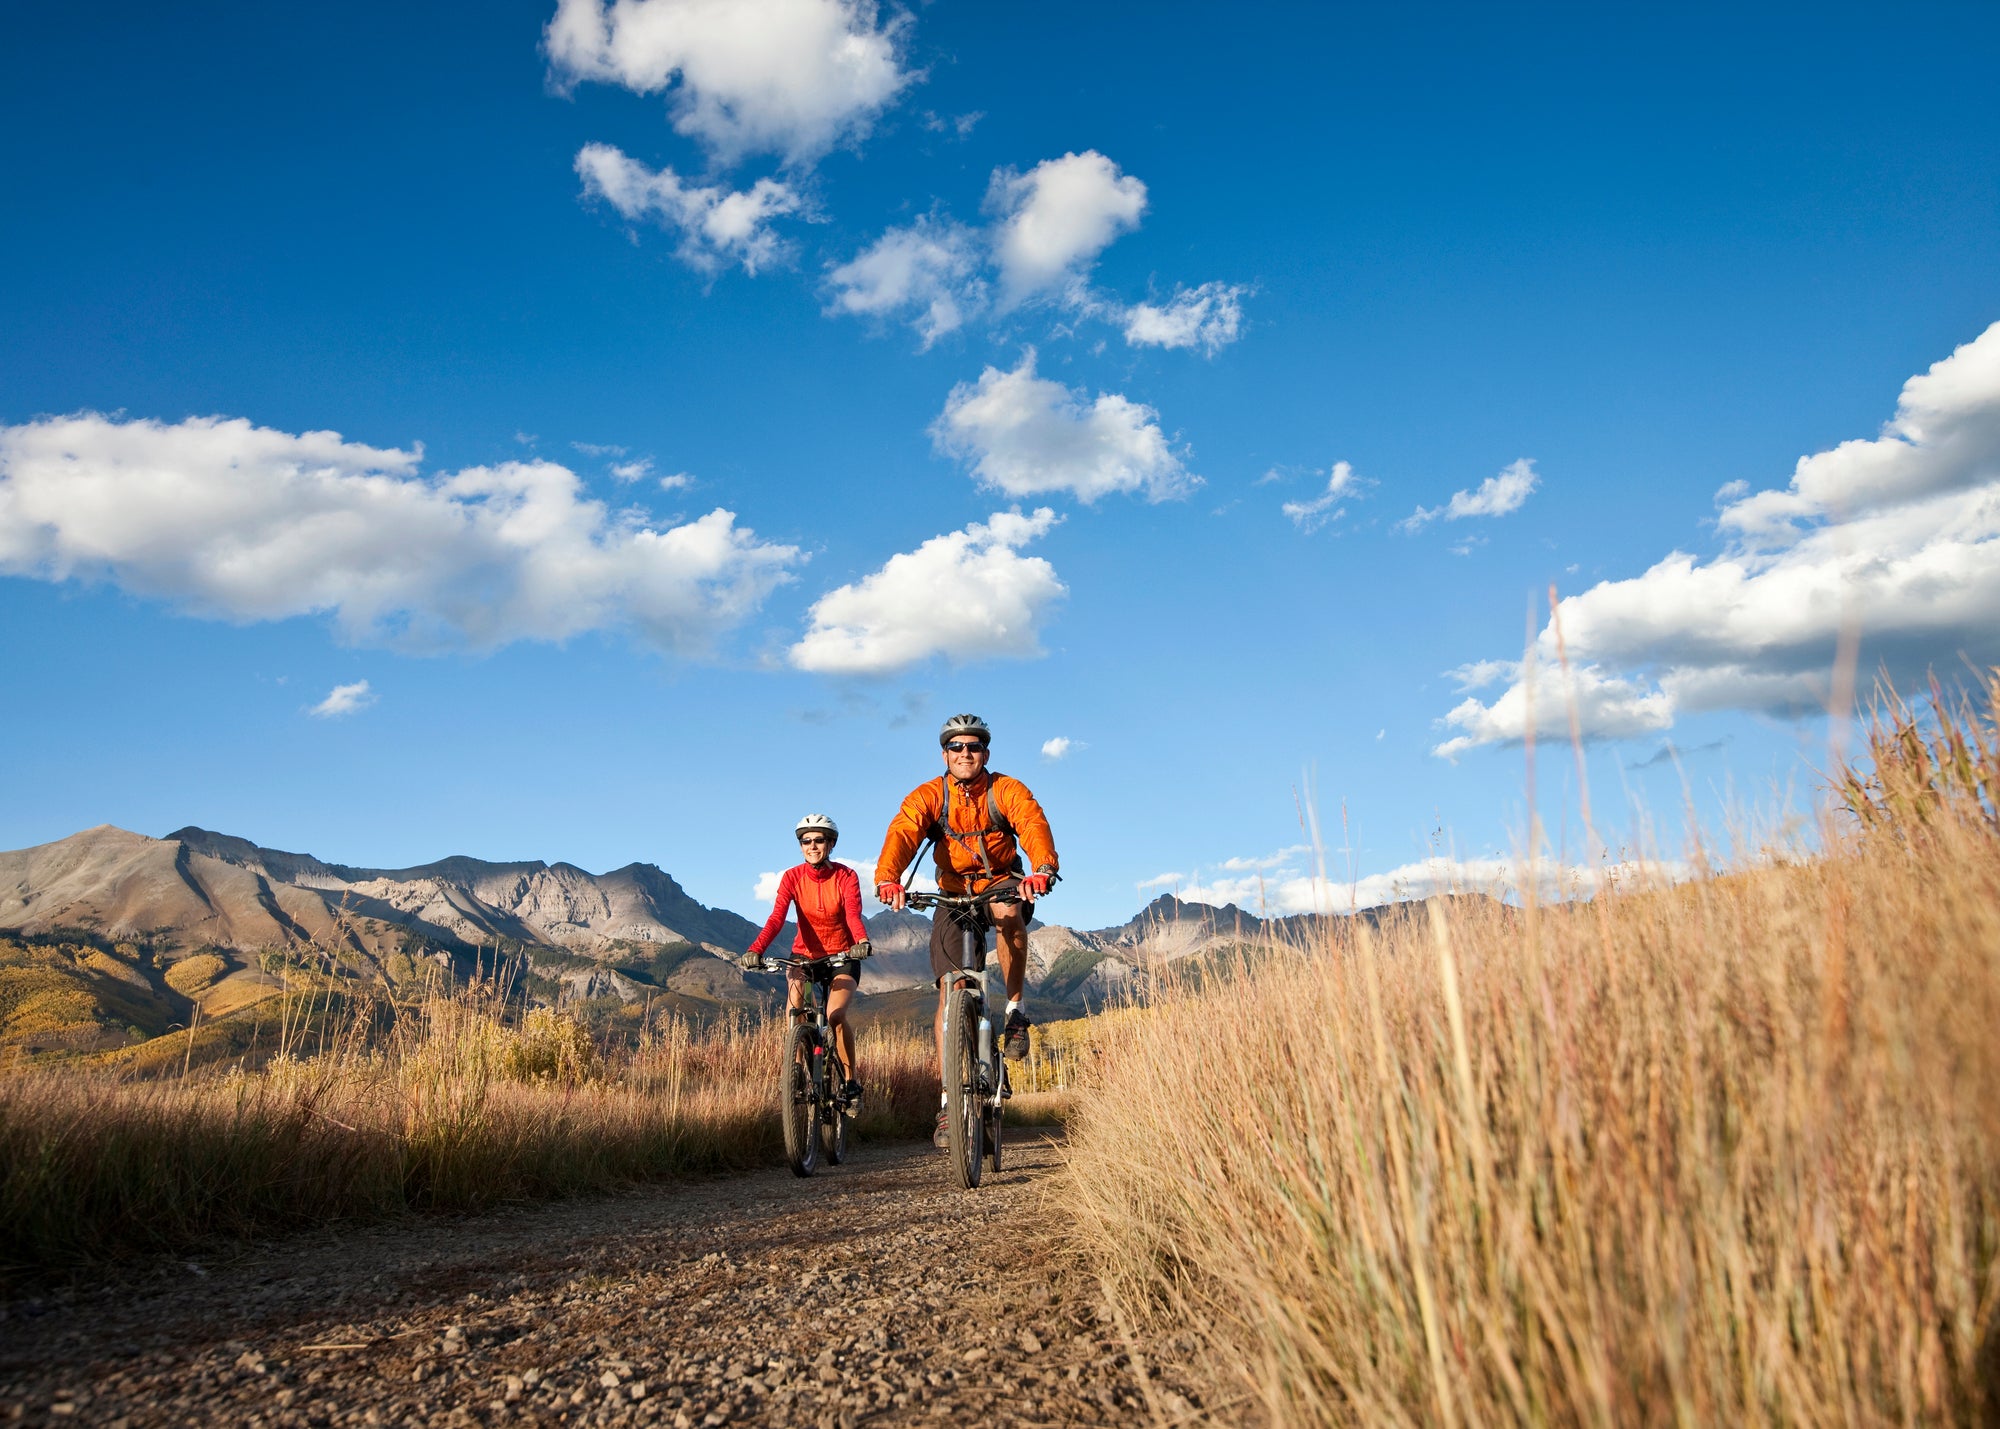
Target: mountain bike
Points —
{"points": [[810, 1078], [974, 1073]]}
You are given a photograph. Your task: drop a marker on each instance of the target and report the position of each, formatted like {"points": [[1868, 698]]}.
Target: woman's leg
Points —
{"points": [[837, 997]]}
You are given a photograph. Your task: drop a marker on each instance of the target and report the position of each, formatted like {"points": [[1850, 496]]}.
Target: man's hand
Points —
{"points": [[751, 962], [891, 894], [1035, 885]]}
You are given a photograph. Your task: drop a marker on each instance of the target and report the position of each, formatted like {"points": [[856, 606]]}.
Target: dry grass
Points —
{"points": [[453, 1109], [1722, 1152]]}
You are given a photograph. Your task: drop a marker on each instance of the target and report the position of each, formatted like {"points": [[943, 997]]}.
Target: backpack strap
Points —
{"points": [[997, 822]]}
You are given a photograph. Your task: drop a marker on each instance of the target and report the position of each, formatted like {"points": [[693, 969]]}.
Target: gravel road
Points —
{"points": [[873, 1293]]}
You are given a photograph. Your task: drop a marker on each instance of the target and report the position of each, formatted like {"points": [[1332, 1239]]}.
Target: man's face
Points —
{"points": [[964, 756]]}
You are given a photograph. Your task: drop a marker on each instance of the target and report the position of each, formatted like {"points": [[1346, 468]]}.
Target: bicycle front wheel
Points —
{"points": [[965, 1117], [798, 1102]]}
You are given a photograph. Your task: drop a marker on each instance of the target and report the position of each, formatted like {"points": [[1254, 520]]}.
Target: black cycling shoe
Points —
{"points": [[1014, 1037], [850, 1098], [941, 1138]]}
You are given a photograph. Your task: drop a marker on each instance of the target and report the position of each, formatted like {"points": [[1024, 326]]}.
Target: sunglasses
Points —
{"points": [[812, 841], [963, 747]]}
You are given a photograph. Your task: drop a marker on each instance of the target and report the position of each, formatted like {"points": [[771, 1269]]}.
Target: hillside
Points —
{"points": [[113, 937]]}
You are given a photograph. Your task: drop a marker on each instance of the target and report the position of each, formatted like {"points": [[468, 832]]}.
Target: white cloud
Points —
{"points": [[633, 470], [1053, 221], [1209, 317], [766, 891], [596, 448], [786, 77], [1899, 536], [1267, 861], [679, 481], [344, 700], [966, 595], [1498, 495], [1053, 749], [1607, 706], [717, 227], [1342, 486], [1161, 880], [927, 273], [1027, 435], [1287, 893], [236, 522]]}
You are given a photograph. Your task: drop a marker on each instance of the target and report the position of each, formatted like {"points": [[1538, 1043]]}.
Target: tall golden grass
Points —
{"points": [[456, 1108], [1721, 1152]]}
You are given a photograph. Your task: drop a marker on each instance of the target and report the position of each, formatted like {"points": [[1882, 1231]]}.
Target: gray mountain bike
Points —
{"points": [[974, 1072], [810, 1077]]}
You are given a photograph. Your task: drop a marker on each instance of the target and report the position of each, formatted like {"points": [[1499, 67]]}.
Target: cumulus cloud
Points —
{"points": [[343, 700], [1342, 486], [236, 522], [966, 595], [718, 228], [1897, 536], [786, 77], [1498, 495], [1209, 317], [1026, 435], [926, 274], [766, 891], [1053, 749], [633, 470], [1052, 222]]}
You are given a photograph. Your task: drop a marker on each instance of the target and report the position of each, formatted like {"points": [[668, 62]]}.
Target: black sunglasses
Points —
{"points": [[963, 747], [812, 839]]}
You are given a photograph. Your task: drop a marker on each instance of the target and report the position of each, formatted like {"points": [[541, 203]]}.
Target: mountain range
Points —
{"points": [[194, 919]]}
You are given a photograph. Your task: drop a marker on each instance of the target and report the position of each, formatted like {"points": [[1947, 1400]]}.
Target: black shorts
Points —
{"points": [[948, 936], [819, 971]]}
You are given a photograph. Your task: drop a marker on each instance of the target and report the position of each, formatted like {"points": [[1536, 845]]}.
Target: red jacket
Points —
{"points": [[829, 902]]}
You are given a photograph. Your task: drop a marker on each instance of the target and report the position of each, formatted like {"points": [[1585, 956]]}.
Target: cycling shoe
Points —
{"points": [[1014, 1037]]}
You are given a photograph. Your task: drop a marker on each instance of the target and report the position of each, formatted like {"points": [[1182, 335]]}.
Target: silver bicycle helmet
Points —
{"points": [[965, 724], [818, 823]]}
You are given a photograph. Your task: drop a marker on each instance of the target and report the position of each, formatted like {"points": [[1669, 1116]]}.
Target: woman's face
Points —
{"points": [[816, 848]]}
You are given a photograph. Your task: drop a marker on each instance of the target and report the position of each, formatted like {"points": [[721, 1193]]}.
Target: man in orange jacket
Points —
{"points": [[982, 824]]}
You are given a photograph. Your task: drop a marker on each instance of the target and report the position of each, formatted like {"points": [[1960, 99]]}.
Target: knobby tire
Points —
{"points": [[798, 1101], [966, 1119]]}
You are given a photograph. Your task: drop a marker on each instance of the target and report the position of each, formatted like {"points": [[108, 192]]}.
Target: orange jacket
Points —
{"points": [[972, 832]]}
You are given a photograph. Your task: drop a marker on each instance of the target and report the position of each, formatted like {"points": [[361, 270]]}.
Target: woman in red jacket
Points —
{"points": [[828, 898]]}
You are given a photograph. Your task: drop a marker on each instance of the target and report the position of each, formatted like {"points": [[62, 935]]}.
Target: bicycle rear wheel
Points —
{"points": [[993, 1135], [965, 1119], [833, 1126], [798, 1104]]}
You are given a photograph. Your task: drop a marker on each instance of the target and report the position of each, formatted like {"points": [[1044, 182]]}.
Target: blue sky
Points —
{"points": [[885, 286]]}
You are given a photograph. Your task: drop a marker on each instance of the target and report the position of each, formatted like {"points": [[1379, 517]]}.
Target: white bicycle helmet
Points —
{"points": [[965, 724], [819, 823]]}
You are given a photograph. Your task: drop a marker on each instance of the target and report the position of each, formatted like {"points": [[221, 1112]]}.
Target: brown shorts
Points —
{"points": [[948, 936], [819, 972]]}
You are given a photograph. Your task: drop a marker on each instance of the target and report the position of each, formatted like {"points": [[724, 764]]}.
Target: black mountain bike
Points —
{"points": [[810, 1078], [975, 1074]]}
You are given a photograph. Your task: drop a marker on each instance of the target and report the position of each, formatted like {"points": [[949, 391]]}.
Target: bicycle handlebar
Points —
{"points": [[970, 900], [769, 963], [951, 900]]}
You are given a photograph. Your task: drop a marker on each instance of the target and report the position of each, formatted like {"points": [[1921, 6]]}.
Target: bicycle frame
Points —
{"points": [[809, 1103], [974, 1103]]}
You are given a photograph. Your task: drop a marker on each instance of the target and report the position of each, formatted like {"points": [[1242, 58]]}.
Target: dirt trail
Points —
{"points": [[874, 1293]]}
